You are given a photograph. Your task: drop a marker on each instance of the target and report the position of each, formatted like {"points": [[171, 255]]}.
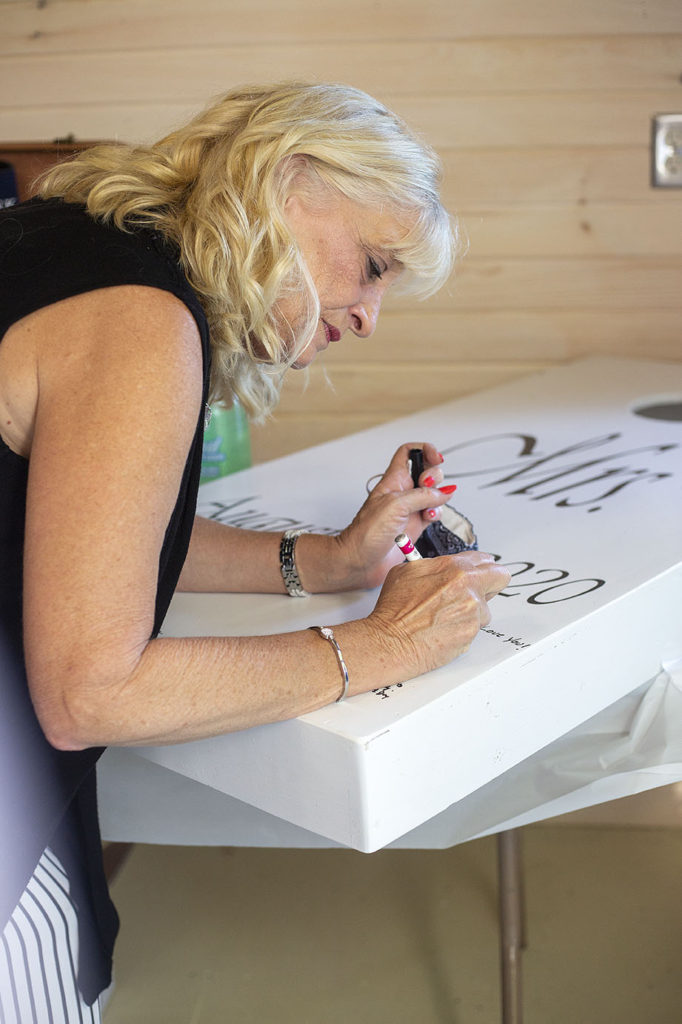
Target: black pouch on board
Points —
{"points": [[452, 533]]}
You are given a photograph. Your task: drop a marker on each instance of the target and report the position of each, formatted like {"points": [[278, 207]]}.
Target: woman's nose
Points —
{"points": [[364, 315]]}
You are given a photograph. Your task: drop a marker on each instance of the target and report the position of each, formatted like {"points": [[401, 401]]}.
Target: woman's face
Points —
{"points": [[347, 250]]}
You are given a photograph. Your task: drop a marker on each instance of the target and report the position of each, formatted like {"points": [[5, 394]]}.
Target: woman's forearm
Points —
{"points": [[189, 688], [178, 689], [225, 559]]}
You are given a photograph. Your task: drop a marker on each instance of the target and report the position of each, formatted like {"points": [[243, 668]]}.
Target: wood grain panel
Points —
{"points": [[133, 24], [574, 118], [513, 336], [464, 122], [413, 68], [30, 160], [647, 283], [304, 420], [363, 399], [286, 434], [549, 174], [542, 113], [136, 123], [390, 389], [636, 229]]}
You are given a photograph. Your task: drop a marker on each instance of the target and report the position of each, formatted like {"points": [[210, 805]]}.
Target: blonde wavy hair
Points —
{"points": [[217, 186]]}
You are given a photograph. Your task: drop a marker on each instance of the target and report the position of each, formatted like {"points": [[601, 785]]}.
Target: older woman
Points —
{"points": [[141, 283]]}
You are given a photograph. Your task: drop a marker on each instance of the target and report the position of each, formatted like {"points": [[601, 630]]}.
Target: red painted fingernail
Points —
{"points": [[449, 489], [441, 457], [428, 481], [431, 513]]}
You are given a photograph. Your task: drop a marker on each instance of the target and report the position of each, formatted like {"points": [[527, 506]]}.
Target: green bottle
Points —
{"points": [[227, 442]]}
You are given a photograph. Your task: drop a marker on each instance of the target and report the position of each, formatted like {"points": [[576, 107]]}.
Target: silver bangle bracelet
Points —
{"points": [[287, 565], [328, 634]]}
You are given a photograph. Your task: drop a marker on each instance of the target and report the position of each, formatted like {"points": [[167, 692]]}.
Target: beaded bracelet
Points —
{"points": [[327, 633]]}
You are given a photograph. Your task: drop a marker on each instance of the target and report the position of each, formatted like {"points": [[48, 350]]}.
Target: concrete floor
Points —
{"points": [[254, 936]]}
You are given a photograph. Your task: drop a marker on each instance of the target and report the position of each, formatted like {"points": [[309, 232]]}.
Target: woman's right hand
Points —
{"points": [[432, 609]]}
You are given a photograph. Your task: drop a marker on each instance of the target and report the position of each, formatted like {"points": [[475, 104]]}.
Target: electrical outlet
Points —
{"points": [[666, 151]]}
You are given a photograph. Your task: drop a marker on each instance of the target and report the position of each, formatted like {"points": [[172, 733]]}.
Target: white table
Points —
{"points": [[582, 497]]}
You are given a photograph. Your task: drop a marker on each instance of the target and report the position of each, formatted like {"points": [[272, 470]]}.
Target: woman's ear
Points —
{"points": [[292, 173], [299, 177]]}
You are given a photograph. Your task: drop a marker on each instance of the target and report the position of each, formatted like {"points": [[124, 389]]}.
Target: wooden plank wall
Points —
{"points": [[541, 110]]}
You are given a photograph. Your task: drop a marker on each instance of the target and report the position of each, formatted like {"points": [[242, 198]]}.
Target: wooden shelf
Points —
{"points": [[29, 159]]}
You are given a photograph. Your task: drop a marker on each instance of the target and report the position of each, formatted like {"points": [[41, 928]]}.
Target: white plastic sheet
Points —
{"points": [[632, 746]]}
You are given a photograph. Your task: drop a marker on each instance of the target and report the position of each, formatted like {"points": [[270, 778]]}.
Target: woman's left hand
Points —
{"points": [[367, 547], [230, 559]]}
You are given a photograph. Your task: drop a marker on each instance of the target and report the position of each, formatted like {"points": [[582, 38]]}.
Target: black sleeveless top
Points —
{"points": [[51, 250]]}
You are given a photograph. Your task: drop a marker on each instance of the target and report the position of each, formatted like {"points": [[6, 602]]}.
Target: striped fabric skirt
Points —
{"points": [[39, 954]]}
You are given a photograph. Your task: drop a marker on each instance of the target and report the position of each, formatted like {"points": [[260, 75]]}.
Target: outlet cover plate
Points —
{"points": [[667, 151]]}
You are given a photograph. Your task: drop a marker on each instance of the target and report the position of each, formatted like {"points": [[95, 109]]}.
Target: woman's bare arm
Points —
{"points": [[222, 558], [119, 392]]}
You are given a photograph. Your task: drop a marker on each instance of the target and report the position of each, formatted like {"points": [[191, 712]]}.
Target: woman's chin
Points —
{"points": [[306, 357]]}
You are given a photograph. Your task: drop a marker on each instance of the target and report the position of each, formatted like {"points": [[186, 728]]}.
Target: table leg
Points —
{"points": [[512, 924]]}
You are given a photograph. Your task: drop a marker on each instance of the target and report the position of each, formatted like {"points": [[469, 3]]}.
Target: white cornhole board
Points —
{"points": [[581, 497]]}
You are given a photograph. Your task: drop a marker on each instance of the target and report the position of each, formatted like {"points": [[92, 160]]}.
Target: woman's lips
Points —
{"points": [[332, 333]]}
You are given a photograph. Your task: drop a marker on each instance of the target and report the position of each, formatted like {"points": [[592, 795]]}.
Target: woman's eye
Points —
{"points": [[373, 268]]}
